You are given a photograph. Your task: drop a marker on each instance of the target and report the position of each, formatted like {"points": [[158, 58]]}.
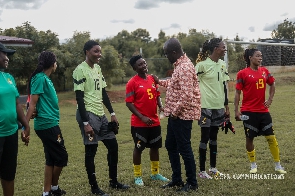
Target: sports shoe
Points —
{"points": [[58, 192], [98, 191], [138, 181], [253, 169], [159, 177], [118, 185], [214, 171], [280, 170], [187, 187], [173, 184], [203, 174]]}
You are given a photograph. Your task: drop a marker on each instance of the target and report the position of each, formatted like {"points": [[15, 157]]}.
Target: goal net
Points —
{"points": [[276, 53]]}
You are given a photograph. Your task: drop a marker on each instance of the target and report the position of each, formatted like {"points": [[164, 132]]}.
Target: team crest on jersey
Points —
{"points": [[263, 74], [9, 81]]}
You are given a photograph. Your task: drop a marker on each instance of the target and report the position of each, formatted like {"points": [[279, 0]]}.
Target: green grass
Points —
{"points": [[232, 158]]}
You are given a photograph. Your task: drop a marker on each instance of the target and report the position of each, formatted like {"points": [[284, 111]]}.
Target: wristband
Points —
{"points": [[113, 114], [85, 123]]}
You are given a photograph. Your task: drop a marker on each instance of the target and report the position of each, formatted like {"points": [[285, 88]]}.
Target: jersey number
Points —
{"points": [[96, 84], [149, 93], [260, 84]]}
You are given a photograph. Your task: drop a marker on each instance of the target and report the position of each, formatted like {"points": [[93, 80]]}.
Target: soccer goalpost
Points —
{"points": [[275, 53]]}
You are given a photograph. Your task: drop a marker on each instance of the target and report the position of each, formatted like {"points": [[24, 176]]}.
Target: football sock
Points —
{"points": [[213, 152], [278, 164], [202, 156], [45, 193], [251, 156], [54, 188], [137, 170], [155, 167], [274, 147]]}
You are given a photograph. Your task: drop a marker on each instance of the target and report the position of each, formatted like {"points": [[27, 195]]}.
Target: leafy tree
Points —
{"points": [[285, 30]]}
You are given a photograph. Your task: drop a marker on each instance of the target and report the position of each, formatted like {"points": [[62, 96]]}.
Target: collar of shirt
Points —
{"points": [[179, 60]]}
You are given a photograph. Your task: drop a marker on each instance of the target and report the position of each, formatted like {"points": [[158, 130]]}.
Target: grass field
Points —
{"points": [[232, 158]]}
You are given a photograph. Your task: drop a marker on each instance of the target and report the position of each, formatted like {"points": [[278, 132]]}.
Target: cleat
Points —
{"points": [[118, 185], [253, 169], [58, 192], [138, 181], [159, 177], [203, 174], [187, 188], [214, 171], [280, 170], [173, 184]]}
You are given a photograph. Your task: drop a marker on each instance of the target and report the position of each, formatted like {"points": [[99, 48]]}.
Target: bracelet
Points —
{"points": [[85, 123], [113, 114]]}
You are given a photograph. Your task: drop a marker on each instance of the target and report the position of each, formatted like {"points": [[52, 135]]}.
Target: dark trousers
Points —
{"points": [[112, 158], [178, 141]]}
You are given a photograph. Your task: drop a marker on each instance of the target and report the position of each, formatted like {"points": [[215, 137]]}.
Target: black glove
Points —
{"points": [[227, 125], [113, 126]]}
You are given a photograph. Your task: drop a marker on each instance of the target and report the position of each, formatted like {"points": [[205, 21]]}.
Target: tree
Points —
{"points": [[110, 64], [285, 30]]}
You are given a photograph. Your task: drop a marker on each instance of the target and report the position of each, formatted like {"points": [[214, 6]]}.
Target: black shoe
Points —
{"points": [[118, 185], [98, 191], [187, 187], [173, 184], [58, 192]]}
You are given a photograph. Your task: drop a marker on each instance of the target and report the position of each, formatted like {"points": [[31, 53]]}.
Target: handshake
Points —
{"points": [[227, 125]]}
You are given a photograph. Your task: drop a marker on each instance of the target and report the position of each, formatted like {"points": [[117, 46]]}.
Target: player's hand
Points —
{"points": [[155, 78], [147, 120], [237, 116], [267, 103], [34, 114], [88, 130], [114, 119], [25, 135]]}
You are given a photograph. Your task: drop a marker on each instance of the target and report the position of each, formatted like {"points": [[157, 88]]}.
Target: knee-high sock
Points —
{"points": [[273, 147], [213, 152], [155, 167], [202, 156], [137, 170], [252, 156]]}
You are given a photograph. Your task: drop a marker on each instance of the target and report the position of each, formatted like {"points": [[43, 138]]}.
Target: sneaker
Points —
{"points": [[187, 187], [138, 181], [58, 192], [203, 174], [173, 184], [214, 171], [118, 185], [159, 177], [280, 170], [253, 169], [98, 191]]}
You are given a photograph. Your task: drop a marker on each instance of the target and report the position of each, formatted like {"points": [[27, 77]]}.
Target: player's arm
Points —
{"points": [[236, 102], [225, 99], [143, 118], [272, 91], [106, 101], [25, 135]]}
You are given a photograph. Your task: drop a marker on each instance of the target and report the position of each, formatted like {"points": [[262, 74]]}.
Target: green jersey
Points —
{"points": [[91, 81], [8, 96], [47, 105], [211, 76]]}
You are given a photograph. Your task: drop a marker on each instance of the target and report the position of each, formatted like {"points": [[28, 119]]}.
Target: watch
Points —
{"points": [[113, 114], [85, 123]]}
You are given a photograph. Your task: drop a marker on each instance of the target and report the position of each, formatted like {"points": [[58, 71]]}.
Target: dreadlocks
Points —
{"points": [[208, 48], [247, 53]]}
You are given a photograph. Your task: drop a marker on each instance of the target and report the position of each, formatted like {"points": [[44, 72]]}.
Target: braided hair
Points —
{"points": [[208, 48], [45, 60], [247, 53]]}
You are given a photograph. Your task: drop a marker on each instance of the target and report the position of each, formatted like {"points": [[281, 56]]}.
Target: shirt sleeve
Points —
{"points": [[239, 81], [270, 79], [37, 85], [79, 79], [129, 92]]}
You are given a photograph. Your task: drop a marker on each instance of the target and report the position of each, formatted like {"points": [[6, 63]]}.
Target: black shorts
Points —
{"points": [[54, 148], [146, 137], [8, 156], [258, 124]]}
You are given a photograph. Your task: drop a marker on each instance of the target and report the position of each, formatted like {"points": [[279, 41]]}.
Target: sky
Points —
{"points": [[250, 19]]}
